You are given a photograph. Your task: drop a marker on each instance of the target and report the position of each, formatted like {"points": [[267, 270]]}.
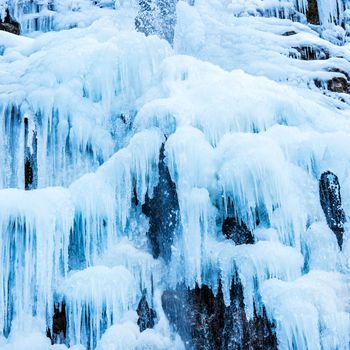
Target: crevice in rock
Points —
{"points": [[30, 158], [163, 212], [237, 230]]}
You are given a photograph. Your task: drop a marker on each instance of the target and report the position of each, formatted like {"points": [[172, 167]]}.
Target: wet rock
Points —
{"points": [[330, 199], [163, 213], [9, 25], [237, 231], [204, 321], [146, 315], [312, 14], [59, 325]]}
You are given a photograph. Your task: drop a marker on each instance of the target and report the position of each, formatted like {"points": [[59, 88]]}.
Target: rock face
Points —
{"points": [[330, 199], [163, 213], [205, 322], [146, 315], [237, 231], [9, 25]]}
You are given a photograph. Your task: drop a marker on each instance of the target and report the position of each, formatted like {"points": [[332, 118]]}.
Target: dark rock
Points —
{"points": [[146, 315], [30, 159], [289, 33], [312, 14], [9, 25], [308, 53], [330, 199], [59, 325], [163, 213], [338, 84], [237, 231], [204, 321]]}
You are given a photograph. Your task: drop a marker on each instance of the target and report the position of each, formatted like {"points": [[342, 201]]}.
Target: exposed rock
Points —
{"points": [[204, 321], [307, 53], [30, 158], [330, 199], [163, 212], [237, 231], [9, 25], [146, 315], [59, 325], [338, 84], [312, 14], [289, 33]]}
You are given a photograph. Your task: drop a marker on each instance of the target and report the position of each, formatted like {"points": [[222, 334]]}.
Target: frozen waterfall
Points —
{"points": [[174, 174]]}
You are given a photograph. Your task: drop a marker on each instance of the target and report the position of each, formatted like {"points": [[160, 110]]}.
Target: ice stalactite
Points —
{"points": [[96, 298], [33, 251]]}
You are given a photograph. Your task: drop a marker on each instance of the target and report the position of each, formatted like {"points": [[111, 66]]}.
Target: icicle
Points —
{"points": [[310, 312], [249, 163], [96, 298], [254, 263], [34, 251], [196, 213]]}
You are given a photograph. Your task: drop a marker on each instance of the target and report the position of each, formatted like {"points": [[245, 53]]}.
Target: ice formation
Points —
{"points": [[174, 174]]}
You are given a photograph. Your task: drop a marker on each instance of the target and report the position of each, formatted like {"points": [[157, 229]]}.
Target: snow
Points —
{"points": [[127, 336]]}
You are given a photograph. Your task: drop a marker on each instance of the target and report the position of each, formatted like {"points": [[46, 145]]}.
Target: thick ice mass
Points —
{"points": [[132, 132]]}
